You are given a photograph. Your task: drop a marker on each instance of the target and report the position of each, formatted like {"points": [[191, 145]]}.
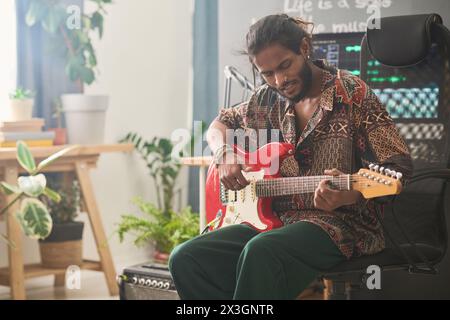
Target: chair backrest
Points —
{"points": [[407, 60], [407, 63]]}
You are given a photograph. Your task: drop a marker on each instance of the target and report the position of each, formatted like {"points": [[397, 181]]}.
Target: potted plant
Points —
{"points": [[165, 229], [33, 214], [161, 224], [21, 104], [84, 114], [63, 246], [60, 132]]}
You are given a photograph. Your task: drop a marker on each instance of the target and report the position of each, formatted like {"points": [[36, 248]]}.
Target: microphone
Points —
{"points": [[233, 73]]}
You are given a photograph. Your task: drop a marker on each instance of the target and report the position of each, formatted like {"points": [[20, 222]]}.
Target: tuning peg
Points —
{"points": [[371, 166], [393, 174], [387, 172], [376, 168], [399, 175], [382, 170]]}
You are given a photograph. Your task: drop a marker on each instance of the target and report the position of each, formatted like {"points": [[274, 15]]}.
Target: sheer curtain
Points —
{"points": [[8, 63], [37, 68], [206, 68]]}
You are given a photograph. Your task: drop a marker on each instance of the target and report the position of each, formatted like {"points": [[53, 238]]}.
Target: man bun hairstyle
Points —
{"points": [[278, 28]]}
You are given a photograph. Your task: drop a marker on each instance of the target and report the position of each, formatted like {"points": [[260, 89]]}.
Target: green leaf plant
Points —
{"points": [[33, 215], [71, 31], [160, 223]]}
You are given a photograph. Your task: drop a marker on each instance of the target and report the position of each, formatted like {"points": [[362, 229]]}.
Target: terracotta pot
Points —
{"points": [[161, 257], [60, 136]]}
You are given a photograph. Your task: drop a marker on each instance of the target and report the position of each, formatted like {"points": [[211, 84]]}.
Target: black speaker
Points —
{"points": [[149, 281]]}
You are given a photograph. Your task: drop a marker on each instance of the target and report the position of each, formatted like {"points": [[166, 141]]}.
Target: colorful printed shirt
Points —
{"points": [[349, 130]]}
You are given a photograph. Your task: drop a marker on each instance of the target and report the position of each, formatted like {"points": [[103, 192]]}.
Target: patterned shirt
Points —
{"points": [[349, 130]]}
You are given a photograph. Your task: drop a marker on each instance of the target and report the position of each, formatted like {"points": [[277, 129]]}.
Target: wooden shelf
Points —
{"points": [[37, 270], [82, 150], [196, 161]]}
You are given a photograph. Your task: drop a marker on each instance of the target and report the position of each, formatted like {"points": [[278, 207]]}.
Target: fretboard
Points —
{"points": [[294, 185]]}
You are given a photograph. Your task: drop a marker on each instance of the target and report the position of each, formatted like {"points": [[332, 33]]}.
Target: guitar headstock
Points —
{"points": [[377, 182]]}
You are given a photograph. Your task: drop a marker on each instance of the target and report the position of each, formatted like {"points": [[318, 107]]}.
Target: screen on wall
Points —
{"points": [[410, 95], [407, 93]]}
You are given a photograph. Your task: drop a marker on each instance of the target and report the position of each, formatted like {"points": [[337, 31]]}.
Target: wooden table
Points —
{"points": [[73, 164], [202, 163]]}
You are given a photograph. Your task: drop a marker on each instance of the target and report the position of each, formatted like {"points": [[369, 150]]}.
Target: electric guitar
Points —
{"points": [[253, 204]]}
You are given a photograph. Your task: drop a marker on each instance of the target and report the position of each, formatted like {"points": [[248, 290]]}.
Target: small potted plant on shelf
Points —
{"points": [[60, 132], [63, 246], [21, 104]]}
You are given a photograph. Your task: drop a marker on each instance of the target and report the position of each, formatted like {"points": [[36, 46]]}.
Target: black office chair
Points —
{"points": [[414, 221]]}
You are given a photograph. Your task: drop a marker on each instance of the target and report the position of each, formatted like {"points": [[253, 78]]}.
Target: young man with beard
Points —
{"points": [[338, 126]]}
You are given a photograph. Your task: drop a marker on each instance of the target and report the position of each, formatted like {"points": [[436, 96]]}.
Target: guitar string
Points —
{"points": [[268, 187]]}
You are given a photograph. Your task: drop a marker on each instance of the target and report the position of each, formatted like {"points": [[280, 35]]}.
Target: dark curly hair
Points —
{"points": [[279, 28]]}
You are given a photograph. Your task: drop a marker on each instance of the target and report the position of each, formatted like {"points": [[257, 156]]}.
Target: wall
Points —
{"points": [[144, 60]]}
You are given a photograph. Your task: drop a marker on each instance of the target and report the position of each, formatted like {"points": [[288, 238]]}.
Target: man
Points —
{"points": [[338, 125]]}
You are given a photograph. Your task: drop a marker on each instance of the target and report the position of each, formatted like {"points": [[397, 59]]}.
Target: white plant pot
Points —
{"points": [[85, 118], [21, 110]]}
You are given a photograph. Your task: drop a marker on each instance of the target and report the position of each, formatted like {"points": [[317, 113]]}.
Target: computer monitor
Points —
{"points": [[410, 95], [407, 93]]}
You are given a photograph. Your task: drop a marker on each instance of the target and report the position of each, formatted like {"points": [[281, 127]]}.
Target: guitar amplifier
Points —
{"points": [[150, 281]]}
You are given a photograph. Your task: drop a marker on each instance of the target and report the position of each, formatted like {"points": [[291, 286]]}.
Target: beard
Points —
{"points": [[306, 77]]}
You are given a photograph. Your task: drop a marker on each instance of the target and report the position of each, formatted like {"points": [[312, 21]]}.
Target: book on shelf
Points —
{"points": [[30, 143], [33, 125], [14, 136]]}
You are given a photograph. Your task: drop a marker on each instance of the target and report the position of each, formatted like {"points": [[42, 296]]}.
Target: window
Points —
{"points": [[8, 66]]}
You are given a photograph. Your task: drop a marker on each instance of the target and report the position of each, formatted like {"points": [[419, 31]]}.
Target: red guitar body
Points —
{"points": [[266, 160]]}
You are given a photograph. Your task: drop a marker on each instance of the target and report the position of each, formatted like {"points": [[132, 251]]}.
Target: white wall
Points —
{"points": [[145, 64]]}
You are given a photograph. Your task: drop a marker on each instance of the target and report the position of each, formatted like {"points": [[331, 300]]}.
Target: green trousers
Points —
{"points": [[237, 262]]}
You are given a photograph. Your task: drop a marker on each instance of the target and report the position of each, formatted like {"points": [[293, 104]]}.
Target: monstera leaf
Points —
{"points": [[34, 219]]}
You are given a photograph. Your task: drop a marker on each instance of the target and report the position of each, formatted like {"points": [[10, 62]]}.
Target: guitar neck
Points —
{"points": [[295, 185]]}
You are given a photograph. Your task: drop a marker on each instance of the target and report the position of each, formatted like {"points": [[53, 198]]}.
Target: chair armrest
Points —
{"points": [[432, 173]]}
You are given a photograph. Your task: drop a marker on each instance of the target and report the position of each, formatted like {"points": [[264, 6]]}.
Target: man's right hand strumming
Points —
{"points": [[228, 166], [231, 176]]}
